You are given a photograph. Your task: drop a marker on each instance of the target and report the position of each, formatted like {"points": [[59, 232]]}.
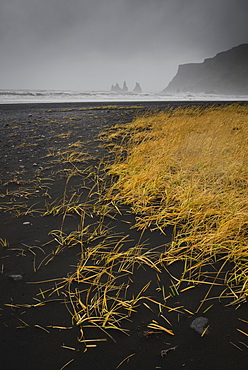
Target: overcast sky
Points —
{"points": [[91, 44]]}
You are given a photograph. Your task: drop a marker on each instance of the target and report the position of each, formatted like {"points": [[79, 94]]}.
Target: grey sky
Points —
{"points": [[90, 44]]}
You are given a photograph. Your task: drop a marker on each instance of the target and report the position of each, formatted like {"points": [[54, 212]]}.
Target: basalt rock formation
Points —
{"points": [[137, 88], [124, 89], [117, 88], [226, 73]]}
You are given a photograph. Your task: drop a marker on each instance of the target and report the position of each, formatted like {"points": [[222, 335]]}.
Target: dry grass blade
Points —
{"points": [[156, 326], [241, 331], [65, 365], [125, 359]]}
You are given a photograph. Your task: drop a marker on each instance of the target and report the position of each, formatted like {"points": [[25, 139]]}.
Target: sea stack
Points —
{"points": [[125, 88], [117, 88], [137, 88]]}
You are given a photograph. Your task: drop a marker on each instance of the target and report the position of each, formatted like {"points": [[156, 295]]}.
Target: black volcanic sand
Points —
{"points": [[28, 132]]}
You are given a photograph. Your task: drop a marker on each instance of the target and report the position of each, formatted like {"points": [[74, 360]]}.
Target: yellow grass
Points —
{"points": [[188, 168]]}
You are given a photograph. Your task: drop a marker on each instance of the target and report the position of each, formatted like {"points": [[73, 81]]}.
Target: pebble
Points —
{"points": [[199, 324], [16, 277], [27, 223]]}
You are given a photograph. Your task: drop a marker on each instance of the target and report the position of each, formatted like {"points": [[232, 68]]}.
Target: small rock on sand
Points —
{"points": [[16, 277], [199, 324]]}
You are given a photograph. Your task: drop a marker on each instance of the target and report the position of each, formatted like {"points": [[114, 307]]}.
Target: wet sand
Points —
{"points": [[41, 336]]}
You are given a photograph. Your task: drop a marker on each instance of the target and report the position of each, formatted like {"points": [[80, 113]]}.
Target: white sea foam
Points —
{"points": [[57, 96]]}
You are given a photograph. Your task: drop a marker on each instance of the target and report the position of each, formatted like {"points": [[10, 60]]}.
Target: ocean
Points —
{"points": [[67, 96]]}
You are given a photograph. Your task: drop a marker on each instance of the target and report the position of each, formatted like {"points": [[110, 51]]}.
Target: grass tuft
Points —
{"points": [[188, 168]]}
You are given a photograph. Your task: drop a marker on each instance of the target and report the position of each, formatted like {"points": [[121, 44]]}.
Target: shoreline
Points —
{"points": [[39, 336], [126, 102], [68, 96]]}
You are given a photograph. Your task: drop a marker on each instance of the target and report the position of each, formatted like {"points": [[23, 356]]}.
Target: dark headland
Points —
{"points": [[226, 73]]}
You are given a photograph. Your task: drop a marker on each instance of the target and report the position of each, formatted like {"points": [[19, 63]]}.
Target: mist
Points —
{"points": [[92, 44]]}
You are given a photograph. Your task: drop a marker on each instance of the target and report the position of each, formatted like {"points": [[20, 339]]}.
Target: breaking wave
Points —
{"points": [[57, 96]]}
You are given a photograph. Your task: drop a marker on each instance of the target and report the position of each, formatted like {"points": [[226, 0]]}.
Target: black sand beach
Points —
{"points": [[37, 331]]}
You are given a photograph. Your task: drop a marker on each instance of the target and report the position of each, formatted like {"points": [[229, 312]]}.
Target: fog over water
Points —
{"points": [[92, 44]]}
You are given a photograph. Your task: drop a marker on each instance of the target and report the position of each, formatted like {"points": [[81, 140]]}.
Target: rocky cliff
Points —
{"points": [[226, 73]]}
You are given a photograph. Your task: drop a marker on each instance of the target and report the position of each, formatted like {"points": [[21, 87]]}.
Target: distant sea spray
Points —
{"points": [[67, 96]]}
